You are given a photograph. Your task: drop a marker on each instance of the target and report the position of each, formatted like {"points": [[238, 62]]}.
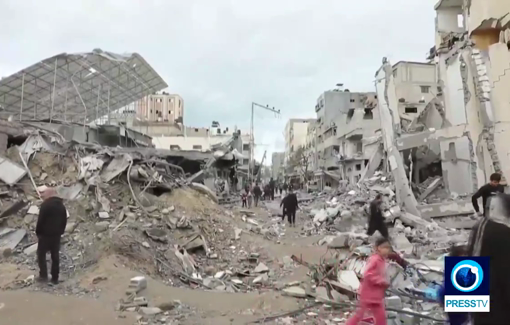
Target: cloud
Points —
{"points": [[222, 55]]}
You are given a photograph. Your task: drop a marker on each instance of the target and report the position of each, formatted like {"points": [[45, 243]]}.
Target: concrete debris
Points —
{"points": [[10, 172], [261, 268], [297, 292]]}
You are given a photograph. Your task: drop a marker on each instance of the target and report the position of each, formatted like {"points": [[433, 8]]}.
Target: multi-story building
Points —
{"points": [[415, 86], [461, 135], [163, 107], [296, 131], [277, 165], [311, 145], [345, 122]]}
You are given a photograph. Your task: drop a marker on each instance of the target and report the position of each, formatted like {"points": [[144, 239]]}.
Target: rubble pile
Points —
{"points": [[132, 203]]}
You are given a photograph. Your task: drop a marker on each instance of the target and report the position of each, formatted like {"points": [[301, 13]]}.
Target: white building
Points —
{"points": [[296, 131]]}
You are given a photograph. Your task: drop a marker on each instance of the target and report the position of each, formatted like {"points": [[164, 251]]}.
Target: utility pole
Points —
{"points": [[251, 165]]}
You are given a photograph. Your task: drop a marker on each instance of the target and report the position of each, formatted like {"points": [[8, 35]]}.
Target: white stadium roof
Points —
{"points": [[77, 87]]}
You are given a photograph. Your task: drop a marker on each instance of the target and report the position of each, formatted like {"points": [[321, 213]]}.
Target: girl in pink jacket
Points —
{"points": [[373, 286]]}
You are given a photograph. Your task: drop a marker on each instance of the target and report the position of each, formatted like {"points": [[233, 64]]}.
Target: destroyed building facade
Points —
{"points": [[459, 135], [343, 137]]}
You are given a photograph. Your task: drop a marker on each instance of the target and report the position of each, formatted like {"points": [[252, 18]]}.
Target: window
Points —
{"points": [[366, 162], [246, 161], [395, 73], [196, 130], [174, 147], [179, 103], [350, 114], [246, 147], [368, 114], [358, 166], [460, 21], [411, 110], [197, 147], [218, 131], [359, 146], [425, 89], [353, 100]]}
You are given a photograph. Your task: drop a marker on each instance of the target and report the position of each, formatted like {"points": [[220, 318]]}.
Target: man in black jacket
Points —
{"points": [[491, 237], [487, 191], [51, 224], [271, 188], [376, 219], [290, 205]]}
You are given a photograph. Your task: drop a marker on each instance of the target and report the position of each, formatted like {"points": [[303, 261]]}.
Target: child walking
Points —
{"points": [[373, 286]]}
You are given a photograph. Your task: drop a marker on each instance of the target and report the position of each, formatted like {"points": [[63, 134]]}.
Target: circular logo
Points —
{"points": [[467, 276]]}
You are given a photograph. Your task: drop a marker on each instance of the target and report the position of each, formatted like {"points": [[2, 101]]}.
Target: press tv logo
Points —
{"points": [[466, 284]]}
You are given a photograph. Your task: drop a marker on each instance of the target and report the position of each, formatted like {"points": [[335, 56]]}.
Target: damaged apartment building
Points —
{"points": [[457, 139], [344, 137]]}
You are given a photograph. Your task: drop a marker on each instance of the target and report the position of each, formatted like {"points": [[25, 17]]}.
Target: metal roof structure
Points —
{"points": [[77, 87]]}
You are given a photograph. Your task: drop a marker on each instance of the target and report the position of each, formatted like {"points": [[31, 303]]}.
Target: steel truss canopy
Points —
{"points": [[77, 87]]}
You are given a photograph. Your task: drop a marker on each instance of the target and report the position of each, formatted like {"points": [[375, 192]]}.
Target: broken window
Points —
{"points": [[197, 147], [366, 162], [246, 161], [359, 146], [358, 166], [411, 110], [174, 147], [350, 114], [368, 114], [425, 89], [460, 21]]}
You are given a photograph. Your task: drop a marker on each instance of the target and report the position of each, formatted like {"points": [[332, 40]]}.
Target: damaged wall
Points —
{"points": [[499, 74], [456, 164], [480, 11], [390, 124]]}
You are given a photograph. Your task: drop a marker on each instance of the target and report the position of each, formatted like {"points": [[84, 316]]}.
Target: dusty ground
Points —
{"points": [[28, 307]]}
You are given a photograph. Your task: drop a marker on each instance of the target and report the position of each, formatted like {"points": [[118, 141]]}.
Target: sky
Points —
{"points": [[222, 55]]}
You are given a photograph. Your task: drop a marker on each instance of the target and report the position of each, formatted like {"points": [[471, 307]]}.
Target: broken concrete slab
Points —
{"points": [[13, 208], [445, 209], [10, 238], [30, 250], [340, 241], [413, 221], [119, 164], [204, 190], [10, 172], [402, 244], [297, 292], [349, 279], [431, 188], [150, 310], [261, 279], [34, 209], [261, 268]]}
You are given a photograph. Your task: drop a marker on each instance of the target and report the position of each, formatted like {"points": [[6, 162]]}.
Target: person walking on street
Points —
{"points": [[373, 286], [271, 188], [51, 225], [290, 205], [486, 191], [244, 198], [376, 219], [257, 192], [285, 187]]}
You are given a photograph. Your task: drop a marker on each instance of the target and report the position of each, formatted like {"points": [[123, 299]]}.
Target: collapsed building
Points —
{"points": [[458, 138]]}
